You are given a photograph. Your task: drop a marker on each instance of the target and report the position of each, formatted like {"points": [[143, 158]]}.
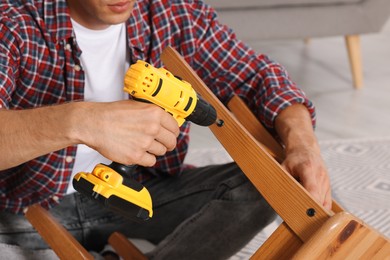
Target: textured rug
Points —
{"points": [[360, 177]]}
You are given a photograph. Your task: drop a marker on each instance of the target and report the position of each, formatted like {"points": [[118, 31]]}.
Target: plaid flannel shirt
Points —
{"points": [[40, 65]]}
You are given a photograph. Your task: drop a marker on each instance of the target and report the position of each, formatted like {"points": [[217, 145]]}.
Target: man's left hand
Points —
{"points": [[307, 166]]}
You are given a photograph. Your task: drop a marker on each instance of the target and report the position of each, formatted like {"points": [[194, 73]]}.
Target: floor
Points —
{"points": [[322, 70]]}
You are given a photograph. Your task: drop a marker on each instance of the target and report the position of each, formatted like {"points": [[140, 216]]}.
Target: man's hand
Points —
{"points": [[306, 166], [130, 132], [303, 157]]}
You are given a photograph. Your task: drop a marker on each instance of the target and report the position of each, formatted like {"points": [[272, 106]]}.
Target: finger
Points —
{"points": [[306, 178], [310, 183], [167, 139], [157, 148], [328, 200], [147, 160], [325, 184], [169, 123]]}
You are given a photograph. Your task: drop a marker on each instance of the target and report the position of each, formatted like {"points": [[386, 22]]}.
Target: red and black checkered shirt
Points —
{"points": [[40, 65]]}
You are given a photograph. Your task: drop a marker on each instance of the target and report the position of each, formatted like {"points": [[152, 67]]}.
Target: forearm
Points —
{"points": [[120, 131], [295, 129], [27, 134]]}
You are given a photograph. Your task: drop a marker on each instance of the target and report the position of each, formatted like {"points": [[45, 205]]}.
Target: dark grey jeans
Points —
{"points": [[206, 213]]}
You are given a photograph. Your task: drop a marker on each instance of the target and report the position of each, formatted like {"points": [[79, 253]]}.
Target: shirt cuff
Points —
{"points": [[280, 101]]}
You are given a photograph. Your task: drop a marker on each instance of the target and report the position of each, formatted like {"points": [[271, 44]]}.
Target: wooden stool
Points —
{"points": [[305, 221]]}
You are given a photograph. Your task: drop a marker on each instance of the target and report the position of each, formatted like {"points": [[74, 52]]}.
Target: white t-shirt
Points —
{"points": [[105, 60]]}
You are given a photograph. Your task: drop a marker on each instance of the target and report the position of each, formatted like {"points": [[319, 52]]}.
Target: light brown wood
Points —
{"points": [[334, 240], [281, 191], [124, 248], [355, 59], [284, 237], [255, 128], [282, 244], [344, 236], [66, 246], [55, 235]]}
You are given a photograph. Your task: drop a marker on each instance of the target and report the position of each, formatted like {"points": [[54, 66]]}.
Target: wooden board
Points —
{"points": [[277, 186]]}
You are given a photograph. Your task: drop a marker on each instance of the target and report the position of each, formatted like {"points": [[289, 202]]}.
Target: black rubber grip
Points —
{"points": [[126, 171]]}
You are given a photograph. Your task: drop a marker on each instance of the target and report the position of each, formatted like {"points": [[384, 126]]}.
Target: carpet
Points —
{"points": [[359, 170]]}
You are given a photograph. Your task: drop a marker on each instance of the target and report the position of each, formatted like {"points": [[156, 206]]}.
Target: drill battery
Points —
{"points": [[115, 191]]}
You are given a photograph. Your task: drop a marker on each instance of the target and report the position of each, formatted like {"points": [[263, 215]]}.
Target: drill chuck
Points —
{"points": [[204, 114]]}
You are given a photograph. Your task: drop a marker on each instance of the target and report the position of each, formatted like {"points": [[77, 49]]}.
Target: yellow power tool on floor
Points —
{"points": [[112, 185]]}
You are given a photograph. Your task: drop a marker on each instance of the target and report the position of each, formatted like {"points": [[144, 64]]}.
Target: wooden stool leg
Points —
{"points": [[355, 59], [124, 248], [282, 237], [57, 237]]}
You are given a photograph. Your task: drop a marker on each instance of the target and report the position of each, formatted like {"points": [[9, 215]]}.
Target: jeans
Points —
{"points": [[206, 213]]}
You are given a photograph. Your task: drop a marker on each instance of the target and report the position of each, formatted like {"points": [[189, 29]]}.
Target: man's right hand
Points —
{"points": [[128, 132]]}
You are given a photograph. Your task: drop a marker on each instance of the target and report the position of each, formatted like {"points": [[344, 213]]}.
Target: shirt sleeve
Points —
{"points": [[228, 67], [8, 64]]}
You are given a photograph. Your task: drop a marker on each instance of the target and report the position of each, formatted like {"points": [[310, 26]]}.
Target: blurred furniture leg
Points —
{"points": [[125, 248], [66, 246], [355, 59], [55, 235]]}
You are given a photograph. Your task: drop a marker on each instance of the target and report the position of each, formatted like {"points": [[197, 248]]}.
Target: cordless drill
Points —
{"points": [[112, 185]]}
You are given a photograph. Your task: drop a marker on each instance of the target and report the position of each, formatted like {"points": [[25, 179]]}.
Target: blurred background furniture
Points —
{"points": [[304, 19]]}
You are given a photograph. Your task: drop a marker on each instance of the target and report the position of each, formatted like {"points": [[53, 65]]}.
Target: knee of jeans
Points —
{"points": [[243, 192]]}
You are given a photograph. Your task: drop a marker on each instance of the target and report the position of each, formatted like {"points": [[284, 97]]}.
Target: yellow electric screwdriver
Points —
{"points": [[112, 184]]}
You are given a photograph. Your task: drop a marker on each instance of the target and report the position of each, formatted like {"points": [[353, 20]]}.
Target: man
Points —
{"points": [[63, 110]]}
